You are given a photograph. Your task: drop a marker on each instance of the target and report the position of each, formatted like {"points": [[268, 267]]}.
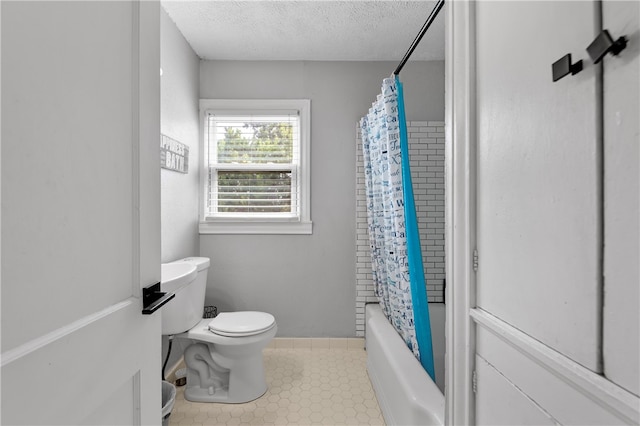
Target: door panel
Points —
{"points": [[563, 391], [76, 370], [57, 88], [106, 415], [537, 205], [500, 402], [621, 199], [80, 142]]}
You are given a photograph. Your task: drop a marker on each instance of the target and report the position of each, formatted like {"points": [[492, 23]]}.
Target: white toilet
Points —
{"points": [[224, 360]]}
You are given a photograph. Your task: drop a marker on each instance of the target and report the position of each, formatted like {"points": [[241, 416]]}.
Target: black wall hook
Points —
{"points": [[563, 67], [604, 44]]}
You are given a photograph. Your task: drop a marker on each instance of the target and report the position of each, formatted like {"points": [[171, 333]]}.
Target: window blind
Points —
{"points": [[253, 165]]}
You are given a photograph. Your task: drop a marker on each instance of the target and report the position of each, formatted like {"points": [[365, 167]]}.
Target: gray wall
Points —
{"points": [[308, 281], [179, 108], [179, 120]]}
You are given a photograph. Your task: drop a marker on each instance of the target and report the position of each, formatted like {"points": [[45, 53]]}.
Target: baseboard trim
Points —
{"points": [[317, 343], [170, 373]]}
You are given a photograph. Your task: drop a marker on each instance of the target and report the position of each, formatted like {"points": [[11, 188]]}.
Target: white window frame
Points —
{"points": [[264, 224]]}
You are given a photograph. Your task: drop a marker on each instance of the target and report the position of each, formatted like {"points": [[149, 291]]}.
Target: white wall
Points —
{"points": [[308, 281], [180, 68]]}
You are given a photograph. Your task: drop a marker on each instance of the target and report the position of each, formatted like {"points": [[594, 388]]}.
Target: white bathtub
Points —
{"points": [[405, 392]]}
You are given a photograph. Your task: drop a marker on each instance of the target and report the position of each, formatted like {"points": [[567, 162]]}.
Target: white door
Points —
{"points": [[621, 339], [538, 177], [546, 316], [80, 212]]}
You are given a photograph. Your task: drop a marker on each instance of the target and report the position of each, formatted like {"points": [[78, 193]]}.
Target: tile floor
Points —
{"points": [[326, 384]]}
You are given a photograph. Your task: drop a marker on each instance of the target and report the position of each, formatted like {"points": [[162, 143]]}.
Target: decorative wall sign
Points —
{"points": [[174, 155]]}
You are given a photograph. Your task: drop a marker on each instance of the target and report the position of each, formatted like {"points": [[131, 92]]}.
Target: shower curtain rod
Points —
{"points": [[424, 29]]}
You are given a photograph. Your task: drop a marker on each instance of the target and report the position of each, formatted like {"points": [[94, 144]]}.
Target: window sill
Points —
{"points": [[256, 227]]}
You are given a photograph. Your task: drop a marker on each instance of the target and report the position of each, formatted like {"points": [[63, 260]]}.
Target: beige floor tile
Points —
{"points": [[284, 343], [306, 387], [302, 343], [355, 343], [339, 343], [321, 343]]}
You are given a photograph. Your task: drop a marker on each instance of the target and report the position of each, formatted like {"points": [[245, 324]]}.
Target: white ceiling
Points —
{"points": [[314, 30]]}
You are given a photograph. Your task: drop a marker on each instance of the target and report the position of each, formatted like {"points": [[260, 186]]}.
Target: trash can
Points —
{"points": [[181, 377], [210, 312], [168, 399]]}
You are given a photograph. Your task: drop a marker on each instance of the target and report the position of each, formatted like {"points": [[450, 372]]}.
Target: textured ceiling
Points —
{"points": [[313, 30]]}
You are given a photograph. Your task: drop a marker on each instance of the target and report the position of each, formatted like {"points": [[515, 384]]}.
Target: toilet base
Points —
{"points": [[244, 382], [225, 369]]}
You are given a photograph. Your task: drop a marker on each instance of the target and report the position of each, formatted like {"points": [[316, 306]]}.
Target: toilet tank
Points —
{"points": [[186, 308]]}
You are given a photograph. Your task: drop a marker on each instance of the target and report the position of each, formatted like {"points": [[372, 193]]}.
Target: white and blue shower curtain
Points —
{"points": [[396, 256]]}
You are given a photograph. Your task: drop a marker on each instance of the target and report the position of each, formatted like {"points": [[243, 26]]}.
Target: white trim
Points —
{"points": [[255, 227], [224, 167], [137, 399], [277, 105], [263, 225], [136, 289], [460, 209], [616, 399]]}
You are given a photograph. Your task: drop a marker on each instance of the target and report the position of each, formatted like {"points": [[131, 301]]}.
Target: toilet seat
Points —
{"points": [[239, 324]]}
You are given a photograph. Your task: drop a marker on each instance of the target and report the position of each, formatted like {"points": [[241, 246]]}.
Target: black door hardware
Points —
{"points": [[604, 44], [563, 67], [153, 299]]}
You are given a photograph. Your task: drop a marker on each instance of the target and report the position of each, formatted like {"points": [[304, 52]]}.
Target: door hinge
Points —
{"points": [[475, 260], [474, 382]]}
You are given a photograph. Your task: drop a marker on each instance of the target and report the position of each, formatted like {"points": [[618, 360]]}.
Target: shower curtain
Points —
{"points": [[396, 256]]}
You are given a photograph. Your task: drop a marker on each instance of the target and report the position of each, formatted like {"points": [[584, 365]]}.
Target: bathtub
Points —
{"points": [[405, 392]]}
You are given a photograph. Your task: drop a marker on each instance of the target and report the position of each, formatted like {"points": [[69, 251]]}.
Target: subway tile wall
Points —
{"points": [[426, 154]]}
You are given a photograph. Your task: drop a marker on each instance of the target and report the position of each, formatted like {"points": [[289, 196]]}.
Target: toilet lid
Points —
{"points": [[244, 323]]}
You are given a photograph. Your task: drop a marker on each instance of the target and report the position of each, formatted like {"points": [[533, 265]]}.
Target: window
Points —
{"points": [[255, 175]]}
